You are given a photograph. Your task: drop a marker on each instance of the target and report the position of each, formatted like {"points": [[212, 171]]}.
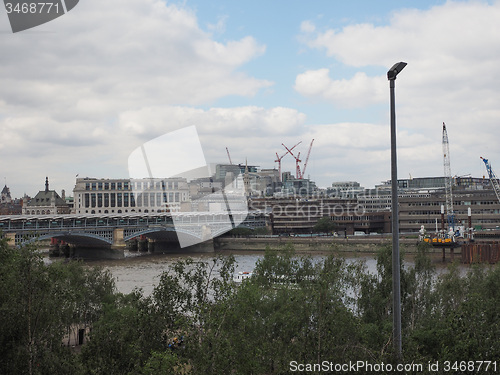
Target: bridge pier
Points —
{"points": [[118, 237]]}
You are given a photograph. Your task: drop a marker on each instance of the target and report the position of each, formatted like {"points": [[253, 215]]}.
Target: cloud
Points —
{"points": [[453, 75], [450, 50], [71, 83], [359, 91]]}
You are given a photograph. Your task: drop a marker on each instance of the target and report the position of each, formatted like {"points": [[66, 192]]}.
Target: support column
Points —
{"points": [[118, 237]]}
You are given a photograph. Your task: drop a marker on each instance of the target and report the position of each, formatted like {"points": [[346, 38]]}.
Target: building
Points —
{"points": [[5, 197], [45, 202], [424, 208], [94, 196], [296, 187], [366, 222], [345, 189], [222, 169], [203, 186], [300, 215], [9, 206]]}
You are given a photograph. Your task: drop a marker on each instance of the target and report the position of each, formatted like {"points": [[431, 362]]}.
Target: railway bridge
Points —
{"points": [[105, 235]]}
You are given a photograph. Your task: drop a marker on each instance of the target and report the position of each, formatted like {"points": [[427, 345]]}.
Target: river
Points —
{"points": [[143, 271]]}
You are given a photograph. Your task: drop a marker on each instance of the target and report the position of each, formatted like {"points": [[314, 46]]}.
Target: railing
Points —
{"points": [[58, 222]]}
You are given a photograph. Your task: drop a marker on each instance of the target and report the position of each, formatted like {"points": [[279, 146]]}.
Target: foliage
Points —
{"points": [[324, 225], [39, 305], [197, 321]]}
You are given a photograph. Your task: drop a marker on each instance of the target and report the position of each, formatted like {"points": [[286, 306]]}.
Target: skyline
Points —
{"points": [[80, 93]]}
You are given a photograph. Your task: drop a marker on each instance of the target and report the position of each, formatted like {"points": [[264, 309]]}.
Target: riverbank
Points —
{"points": [[368, 244]]}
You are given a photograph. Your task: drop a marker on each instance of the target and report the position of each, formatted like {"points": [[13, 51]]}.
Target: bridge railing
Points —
{"points": [[30, 223], [71, 221]]}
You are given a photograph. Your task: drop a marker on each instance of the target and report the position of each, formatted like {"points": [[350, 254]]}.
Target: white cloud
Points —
{"points": [[359, 91], [68, 86], [453, 75], [307, 27]]}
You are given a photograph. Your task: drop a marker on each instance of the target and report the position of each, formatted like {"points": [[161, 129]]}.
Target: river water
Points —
{"points": [[143, 271]]}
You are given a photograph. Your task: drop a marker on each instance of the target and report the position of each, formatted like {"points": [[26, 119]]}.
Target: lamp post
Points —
{"points": [[396, 277]]}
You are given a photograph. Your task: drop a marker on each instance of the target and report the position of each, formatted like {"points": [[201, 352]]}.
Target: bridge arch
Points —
{"points": [[169, 234], [75, 238]]}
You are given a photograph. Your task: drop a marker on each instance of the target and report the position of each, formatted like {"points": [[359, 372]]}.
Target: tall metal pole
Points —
{"points": [[396, 277]]}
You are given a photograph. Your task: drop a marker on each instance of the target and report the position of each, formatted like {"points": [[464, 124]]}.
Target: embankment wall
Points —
{"points": [[307, 244]]}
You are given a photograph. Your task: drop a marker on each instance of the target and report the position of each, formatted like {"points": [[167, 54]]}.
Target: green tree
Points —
{"points": [[39, 303], [324, 225], [123, 339]]}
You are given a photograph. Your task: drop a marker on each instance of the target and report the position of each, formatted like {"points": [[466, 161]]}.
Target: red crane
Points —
{"points": [[278, 158], [299, 174], [297, 158], [307, 159]]}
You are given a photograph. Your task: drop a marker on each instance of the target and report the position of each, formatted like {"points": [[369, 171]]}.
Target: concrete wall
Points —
{"points": [[305, 244]]}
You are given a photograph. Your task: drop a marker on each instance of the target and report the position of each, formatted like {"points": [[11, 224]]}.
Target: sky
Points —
{"points": [[79, 94]]}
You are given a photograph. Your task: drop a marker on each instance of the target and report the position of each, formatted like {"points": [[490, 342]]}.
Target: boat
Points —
{"points": [[240, 276]]}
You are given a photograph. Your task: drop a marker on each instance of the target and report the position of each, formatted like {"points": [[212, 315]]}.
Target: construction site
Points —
{"points": [[445, 211]]}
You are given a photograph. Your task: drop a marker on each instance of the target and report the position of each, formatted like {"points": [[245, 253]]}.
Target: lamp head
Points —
{"points": [[395, 70]]}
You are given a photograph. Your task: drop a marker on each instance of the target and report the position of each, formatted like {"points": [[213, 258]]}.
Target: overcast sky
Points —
{"points": [[80, 93]]}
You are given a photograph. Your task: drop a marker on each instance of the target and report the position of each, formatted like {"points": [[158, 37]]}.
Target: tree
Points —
{"points": [[38, 304], [324, 225]]}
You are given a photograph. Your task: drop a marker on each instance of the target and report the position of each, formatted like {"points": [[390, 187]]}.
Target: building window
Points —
{"points": [[113, 186], [99, 199], [87, 186], [118, 185], [125, 200], [119, 200], [106, 186], [106, 199], [93, 186], [113, 199], [87, 200], [92, 200]]}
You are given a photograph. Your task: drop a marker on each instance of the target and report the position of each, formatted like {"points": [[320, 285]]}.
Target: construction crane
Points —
{"points": [[447, 179], [493, 178], [229, 156], [298, 173], [307, 159], [278, 158], [297, 161]]}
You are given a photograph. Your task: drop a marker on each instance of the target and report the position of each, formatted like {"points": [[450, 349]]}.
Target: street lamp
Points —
{"points": [[396, 277]]}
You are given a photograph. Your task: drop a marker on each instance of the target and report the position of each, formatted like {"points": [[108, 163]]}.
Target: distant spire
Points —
{"points": [[46, 184]]}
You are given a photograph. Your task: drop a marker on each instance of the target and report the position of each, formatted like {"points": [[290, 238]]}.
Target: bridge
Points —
{"points": [[97, 233]]}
